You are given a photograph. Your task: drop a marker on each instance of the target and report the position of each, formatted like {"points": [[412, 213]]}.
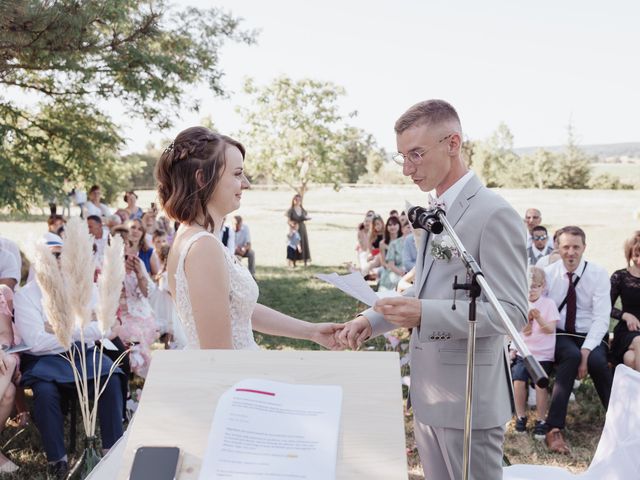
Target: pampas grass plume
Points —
{"points": [[79, 268], [55, 301], [110, 284]]}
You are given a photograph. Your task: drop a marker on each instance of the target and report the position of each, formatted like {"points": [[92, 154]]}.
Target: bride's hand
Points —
{"points": [[325, 334]]}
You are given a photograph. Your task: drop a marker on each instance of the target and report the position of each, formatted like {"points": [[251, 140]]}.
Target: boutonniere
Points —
{"points": [[443, 248]]}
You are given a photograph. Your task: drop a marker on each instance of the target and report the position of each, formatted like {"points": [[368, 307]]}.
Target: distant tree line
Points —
{"points": [[496, 162]]}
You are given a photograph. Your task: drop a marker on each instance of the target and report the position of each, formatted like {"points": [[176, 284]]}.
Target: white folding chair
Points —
{"points": [[618, 454]]}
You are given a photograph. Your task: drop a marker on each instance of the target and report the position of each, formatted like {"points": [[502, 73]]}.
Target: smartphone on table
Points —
{"points": [[155, 463]]}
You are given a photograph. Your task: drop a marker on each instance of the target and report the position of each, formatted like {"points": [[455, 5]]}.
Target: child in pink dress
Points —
{"points": [[540, 337]]}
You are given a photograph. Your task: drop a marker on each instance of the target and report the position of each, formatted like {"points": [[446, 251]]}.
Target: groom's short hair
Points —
{"points": [[429, 111]]}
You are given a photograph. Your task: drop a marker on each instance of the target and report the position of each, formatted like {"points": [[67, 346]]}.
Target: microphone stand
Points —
{"points": [[435, 221]]}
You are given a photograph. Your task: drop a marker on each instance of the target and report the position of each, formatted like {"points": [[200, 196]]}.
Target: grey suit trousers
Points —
{"points": [[441, 450]]}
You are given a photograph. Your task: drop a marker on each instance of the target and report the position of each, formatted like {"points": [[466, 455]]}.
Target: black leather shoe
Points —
{"points": [[58, 470]]}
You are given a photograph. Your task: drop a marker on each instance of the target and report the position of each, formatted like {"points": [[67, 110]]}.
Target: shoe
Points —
{"points": [[521, 424], [555, 441], [58, 470], [540, 430], [8, 467]]}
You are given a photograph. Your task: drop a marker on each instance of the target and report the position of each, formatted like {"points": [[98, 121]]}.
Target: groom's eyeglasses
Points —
{"points": [[539, 237], [415, 156]]}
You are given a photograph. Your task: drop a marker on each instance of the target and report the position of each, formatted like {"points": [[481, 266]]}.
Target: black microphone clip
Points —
{"points": [[426, 219]]}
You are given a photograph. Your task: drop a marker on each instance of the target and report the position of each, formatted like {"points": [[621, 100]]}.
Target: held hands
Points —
{"points": [[354, 333], [326, 335]]}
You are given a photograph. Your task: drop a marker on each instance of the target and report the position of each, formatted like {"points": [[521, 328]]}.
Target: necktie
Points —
{"points": [[570, 319]]}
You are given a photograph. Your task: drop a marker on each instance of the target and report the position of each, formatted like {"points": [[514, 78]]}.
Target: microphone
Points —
{"points": [[427, 219]]}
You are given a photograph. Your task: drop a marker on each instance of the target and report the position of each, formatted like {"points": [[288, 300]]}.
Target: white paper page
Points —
{"points": [[273, 430], [354, 285]]}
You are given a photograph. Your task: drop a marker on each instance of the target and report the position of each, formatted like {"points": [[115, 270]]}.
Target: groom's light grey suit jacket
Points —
{"points": [[495, 235]]}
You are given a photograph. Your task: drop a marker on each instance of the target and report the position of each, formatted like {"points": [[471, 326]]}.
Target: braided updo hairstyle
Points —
{"points": [[193, 149]]}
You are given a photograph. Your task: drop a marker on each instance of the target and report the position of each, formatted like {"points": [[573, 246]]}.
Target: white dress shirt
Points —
{"points": [[30, 321], [593, 299], [243, 236], [449, 196]]}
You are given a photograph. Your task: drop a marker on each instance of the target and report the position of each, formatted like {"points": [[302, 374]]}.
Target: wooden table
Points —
{"points": [[183, 387]]}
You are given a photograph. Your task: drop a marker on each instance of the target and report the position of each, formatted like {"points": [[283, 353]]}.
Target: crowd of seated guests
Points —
{"points": [[572, 301], [386, 251], [145, 315]]}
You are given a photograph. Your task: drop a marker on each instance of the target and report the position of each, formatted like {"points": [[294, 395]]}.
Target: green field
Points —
{"points": [[627, 172]]}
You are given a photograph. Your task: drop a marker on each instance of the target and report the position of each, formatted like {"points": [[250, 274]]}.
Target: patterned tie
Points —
{"points": [[570, 320]]}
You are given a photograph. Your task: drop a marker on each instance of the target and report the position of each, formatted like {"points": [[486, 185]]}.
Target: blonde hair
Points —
{"points": [[536, 275], [632, 246]]}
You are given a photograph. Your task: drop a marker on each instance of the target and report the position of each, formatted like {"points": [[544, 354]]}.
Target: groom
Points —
{"points": [[429, 140]]}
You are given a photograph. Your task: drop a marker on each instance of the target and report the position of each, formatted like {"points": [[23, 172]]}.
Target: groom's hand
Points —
{"points": [[355, 332], [404, 312]]}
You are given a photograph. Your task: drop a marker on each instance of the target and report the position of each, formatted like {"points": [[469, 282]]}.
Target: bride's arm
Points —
{"points": [[208, 282], [269, 321]]}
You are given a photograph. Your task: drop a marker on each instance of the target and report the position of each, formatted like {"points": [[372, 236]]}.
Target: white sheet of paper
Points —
{"points": [[274, 430], [355, 285], [109, 345]]}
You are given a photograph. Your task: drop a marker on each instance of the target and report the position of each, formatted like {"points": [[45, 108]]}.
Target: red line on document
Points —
{"points": [[255, 391]]}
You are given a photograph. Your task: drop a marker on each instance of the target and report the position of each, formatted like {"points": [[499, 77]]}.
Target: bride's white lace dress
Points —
{"points": [[243, 295]]}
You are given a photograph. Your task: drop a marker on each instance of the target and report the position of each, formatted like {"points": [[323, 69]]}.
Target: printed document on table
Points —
{"points": [[274, 430], [354, 285]]}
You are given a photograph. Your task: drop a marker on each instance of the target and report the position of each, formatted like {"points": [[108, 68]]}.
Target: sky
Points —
{"points": [[537, 66]]}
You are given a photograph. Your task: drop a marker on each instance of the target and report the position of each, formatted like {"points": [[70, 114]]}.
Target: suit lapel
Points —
{"points": [[454, 213]]}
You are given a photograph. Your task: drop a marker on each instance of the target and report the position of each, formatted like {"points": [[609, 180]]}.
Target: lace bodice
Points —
{"points": [[243, 295]]}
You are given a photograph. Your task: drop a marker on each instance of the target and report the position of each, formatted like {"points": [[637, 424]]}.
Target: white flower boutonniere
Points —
{"points": [[443, 248]]}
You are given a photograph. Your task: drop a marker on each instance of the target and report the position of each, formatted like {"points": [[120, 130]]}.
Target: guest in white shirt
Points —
{"points": [[580, 289], [95, 206]]}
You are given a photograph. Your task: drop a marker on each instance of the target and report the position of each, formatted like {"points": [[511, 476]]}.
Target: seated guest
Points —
{"points": [[50, 376], [100, 238], [8, 371], [55, 224], [580, 289], [625, 284], [228, 236], [539, 335], [159, 240], [143, 250], [533, 218], [409, 251], [552, 256], [539, 247], [391, 270], [149, 224], [134, 211], [137, 326], [376, 235], [363, 246], [243, 243], [95, 206]]}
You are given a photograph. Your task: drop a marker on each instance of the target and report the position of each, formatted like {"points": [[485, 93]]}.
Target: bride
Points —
{"points": [[200, 179]]}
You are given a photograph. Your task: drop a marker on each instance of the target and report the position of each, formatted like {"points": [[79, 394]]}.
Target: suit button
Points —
{"points": [[448, 337], [432, 337]]}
